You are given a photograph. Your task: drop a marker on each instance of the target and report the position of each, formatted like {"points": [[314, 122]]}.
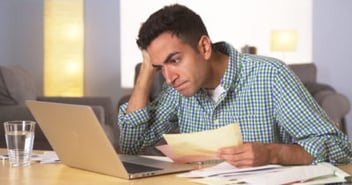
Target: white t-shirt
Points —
{"points": [[215, 93]]}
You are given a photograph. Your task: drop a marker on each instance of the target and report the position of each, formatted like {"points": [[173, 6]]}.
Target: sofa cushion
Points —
{"points": [[314, 87], [5, 98], [307, 72], [16, 85]]}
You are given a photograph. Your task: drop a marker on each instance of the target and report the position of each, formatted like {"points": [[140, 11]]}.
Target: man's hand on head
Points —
{"points": [[147, 64], [142, 87]]}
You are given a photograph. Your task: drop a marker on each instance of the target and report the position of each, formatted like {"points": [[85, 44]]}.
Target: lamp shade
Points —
{"points": [[283, 40], [64, 48]]}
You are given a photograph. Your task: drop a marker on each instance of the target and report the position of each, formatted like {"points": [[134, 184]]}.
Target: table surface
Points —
{"points": [[46, 174], [40, 174]]}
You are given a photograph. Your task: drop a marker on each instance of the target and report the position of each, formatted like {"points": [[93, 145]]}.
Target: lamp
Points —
{"points": [[63, 48], [283, 40]]}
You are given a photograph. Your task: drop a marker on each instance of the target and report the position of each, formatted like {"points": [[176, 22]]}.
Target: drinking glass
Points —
{"points": [[19, 140]]}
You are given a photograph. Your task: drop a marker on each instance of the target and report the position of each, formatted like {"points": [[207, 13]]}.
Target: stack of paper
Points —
{"points": [[201, 146], [46, 157], [225, 173]]}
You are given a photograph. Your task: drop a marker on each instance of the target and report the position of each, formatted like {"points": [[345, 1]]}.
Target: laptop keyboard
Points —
{"points": [[137, 168]]}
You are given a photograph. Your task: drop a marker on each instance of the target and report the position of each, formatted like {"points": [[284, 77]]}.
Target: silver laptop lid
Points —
{"points": [[78, 140], [76, 135]]}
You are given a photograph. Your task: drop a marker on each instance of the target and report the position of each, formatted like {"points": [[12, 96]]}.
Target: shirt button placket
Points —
{"points": [[215, 118], [216, 121]]}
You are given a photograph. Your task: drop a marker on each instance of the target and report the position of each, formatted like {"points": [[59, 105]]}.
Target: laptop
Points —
{"points": [[79, 140]]}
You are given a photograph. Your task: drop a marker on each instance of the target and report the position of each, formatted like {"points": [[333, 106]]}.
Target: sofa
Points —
{"points": [[335, 104], [17, 86]]}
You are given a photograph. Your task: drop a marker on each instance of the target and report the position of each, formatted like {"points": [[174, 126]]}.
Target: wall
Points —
{"points": [[21, 36], [4, 32], [26, 37], [332, 46], [102, 49]]}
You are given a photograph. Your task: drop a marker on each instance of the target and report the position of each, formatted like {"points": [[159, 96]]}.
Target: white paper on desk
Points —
{"points": [[270, 174], [226, 168], [289, 175], [46, 157], [205, 143], [215, 181]]}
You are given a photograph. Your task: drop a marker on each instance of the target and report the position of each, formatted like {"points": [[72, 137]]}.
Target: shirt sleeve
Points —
{"points": [[307, 123], [145, 127]]}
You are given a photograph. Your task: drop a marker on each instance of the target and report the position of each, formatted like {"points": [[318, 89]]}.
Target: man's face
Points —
{"points": [[183, 68]]}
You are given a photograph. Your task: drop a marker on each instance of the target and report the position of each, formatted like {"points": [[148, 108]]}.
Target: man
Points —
{"points": [[212, 85]]}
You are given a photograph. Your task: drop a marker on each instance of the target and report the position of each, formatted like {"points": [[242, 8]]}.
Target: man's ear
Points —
{"points": [[204, 47]]}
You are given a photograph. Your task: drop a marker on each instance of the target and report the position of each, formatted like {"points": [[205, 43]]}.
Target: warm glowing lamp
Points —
{"points": [[283, 40], [63, 48]]}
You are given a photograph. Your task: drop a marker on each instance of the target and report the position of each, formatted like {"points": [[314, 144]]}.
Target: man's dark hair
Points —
{"points": [[176, 19]]}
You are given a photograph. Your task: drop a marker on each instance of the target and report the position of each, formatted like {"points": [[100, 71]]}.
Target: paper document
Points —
{"points": [[227, 169], [225, 173], [205, 143], [47, 157], [166, 150]]}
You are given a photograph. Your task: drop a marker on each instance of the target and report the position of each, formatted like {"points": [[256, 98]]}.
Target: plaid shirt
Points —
{"points": [[261, 94]]}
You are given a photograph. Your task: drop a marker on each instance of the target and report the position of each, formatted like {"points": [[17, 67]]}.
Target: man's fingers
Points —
{"points": [[231, 150]]}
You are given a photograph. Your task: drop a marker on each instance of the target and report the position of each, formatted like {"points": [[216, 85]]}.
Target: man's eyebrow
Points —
{"points": [[170, 56]]}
